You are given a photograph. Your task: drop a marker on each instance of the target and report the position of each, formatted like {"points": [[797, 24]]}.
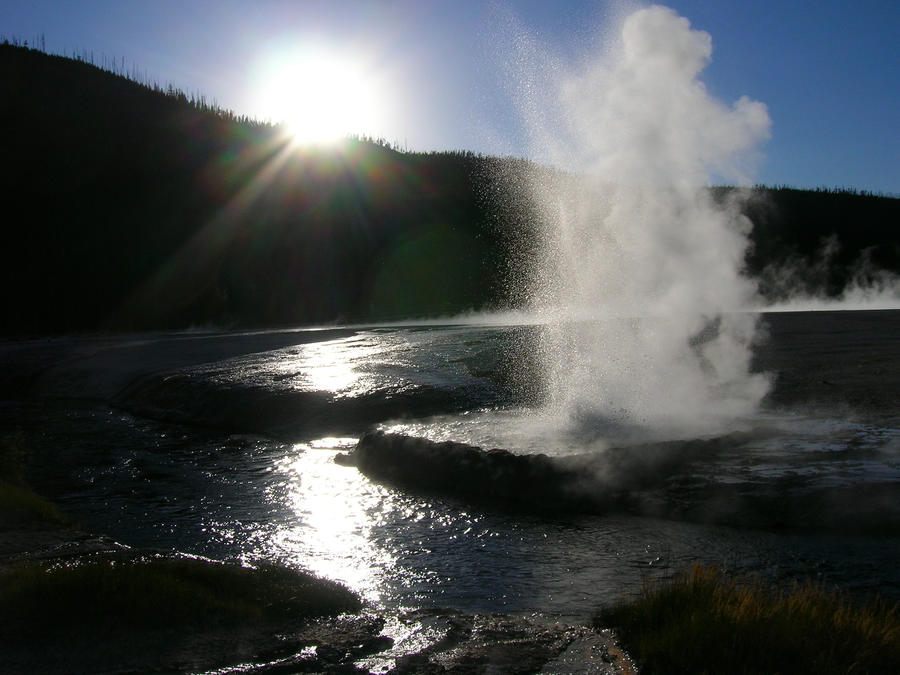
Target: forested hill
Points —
{"points": [[131, 207]]}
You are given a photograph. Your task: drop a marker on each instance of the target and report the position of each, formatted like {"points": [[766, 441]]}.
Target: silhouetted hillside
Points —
{"points": [[131, 207]]}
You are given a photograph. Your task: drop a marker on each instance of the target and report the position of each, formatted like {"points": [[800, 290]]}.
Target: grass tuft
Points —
{"points": [[18, 502], [21, 503], [161, 592], [12, 456], [707, 622]]}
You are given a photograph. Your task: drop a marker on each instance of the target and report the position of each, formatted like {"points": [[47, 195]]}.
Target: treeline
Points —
{"points": [[129, 207], [132, 73]]}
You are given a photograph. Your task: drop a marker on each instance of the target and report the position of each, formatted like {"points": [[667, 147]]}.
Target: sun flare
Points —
{"points": [[321, 97]]}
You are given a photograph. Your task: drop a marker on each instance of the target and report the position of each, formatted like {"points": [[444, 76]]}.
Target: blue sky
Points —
{"points": [[829, 71]]}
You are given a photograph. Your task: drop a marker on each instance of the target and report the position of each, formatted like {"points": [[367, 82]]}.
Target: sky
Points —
{"points": [[441, 75]]}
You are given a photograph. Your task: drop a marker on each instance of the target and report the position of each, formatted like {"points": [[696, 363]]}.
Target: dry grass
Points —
{"points": [[707, 622]]}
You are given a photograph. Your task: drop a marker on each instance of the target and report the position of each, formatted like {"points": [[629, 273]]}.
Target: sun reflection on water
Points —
{"points": [[338, 512], [346, 367]]}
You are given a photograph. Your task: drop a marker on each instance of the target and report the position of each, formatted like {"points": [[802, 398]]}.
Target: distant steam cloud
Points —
{"points": [[803, 285]]}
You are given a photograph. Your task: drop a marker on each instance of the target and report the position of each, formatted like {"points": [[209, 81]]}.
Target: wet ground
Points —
{"points": [[837, 365]]}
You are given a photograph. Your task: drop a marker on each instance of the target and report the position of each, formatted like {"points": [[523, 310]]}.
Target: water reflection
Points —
{"points": [[338, 517], [400, 549], [377, 360], [195, 485], [344, 367], [336, 366], [397, 549]]}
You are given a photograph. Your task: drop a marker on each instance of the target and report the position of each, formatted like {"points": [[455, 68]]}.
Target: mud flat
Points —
{"points": [[828, 359]]}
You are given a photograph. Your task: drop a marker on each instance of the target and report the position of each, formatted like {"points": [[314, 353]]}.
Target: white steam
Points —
{"points": [[799, 285], [641, 277]]}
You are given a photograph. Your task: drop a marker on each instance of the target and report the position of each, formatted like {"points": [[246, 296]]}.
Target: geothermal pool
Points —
{"points": [[224, 445]]}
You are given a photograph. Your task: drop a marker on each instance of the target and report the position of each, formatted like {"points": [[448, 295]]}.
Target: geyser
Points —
{"points": [[640, 274]]}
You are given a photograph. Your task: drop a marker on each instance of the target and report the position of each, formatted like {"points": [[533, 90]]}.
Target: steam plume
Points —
{"points": [[640, 276]]}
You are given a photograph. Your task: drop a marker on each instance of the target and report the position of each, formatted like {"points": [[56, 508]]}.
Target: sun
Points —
{"points": [[320, 96]]}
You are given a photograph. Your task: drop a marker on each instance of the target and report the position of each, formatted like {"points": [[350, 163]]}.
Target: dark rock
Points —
{"points": [[586, 483]]}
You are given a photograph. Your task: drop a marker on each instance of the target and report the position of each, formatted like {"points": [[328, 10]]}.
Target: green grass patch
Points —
{"points": [[705, 621], [19, 503], [12, 456], [161, 592]]}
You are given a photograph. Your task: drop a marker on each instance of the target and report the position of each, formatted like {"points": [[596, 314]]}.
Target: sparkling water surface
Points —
{"points": [[161, 468]]}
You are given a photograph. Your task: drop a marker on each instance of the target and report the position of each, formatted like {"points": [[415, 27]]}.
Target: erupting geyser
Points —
{"points": [[640, 276]]}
